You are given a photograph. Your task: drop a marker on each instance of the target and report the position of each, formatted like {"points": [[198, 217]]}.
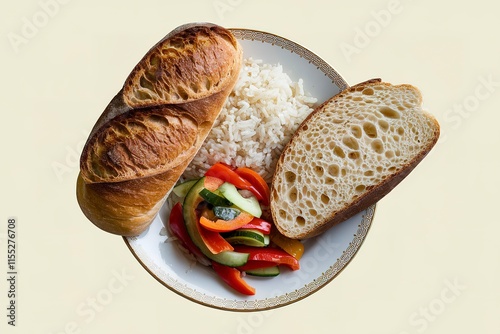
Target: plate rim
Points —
{"points": [[288, 44], [347, 255]]}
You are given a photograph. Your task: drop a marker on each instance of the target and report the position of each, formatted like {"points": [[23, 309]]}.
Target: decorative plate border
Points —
{"points": [[256, 35], [316, 284]]}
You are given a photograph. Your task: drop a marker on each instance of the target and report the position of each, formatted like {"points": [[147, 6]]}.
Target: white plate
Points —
{"points": [[325, 256]]}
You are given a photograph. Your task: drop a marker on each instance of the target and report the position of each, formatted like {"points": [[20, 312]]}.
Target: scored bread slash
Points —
{"points": [[349, 153]]}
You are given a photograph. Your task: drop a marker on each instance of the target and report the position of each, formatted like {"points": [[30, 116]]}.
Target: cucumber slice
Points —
{"points": [[250, 204], [264, 272], [225, 213], [247, 237], [191, 202], [213, 198], [181, 189]]}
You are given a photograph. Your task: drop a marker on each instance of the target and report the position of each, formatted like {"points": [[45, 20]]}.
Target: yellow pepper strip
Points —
{"points": [[293, 247]]}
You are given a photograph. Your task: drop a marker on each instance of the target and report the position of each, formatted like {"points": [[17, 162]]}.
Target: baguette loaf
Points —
{"points": [[349, 153], [154, 126]]}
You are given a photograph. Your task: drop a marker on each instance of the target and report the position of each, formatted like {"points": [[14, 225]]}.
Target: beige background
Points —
{"points": [[430, 262]]}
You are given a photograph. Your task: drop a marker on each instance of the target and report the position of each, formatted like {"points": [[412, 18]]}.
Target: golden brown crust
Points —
{"points": [[138, 148], [124, 208], [139, 143], [191, 64]]}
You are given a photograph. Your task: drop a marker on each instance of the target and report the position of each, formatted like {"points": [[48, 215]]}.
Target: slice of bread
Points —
{"points": [[348, 154]]}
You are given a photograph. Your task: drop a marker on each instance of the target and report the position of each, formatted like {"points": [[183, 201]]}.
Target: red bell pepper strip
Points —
{"points": [[226, 173], [178, 228], [256, 264], [276, 255], [232, 277], [259, 224], [257, 181], [213, 240]]}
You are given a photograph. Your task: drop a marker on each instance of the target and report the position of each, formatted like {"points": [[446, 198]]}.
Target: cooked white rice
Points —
{"points": [[258, 119]]}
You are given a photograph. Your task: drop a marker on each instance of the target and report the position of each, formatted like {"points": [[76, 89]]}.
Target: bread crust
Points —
{"points": [[369, 196], [139, 146], [189, 64]]}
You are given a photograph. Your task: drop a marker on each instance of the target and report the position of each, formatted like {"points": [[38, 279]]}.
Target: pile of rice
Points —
{"points": [[258, 119]]}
